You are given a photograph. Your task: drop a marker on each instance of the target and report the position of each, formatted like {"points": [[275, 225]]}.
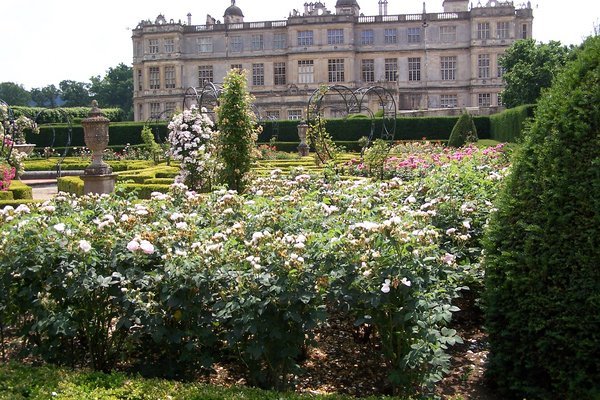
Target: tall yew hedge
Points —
{"points": [[543, 248]]}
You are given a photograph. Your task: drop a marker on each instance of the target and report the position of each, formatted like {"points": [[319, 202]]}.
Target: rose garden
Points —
{"points": [[243, 257]]}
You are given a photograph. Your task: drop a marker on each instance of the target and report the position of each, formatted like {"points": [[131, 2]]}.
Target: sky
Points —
{"points": [[46, 41]]}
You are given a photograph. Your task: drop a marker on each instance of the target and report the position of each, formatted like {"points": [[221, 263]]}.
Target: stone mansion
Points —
{"points": [[426, 60]]}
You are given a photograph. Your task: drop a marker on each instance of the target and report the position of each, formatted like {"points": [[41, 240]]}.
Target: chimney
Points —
{"points": [[189, 15], [380, 7], [385, 3]]}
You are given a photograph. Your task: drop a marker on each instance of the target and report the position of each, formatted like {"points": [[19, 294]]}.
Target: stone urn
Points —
{"points": [[26, 148], [98, 176], [303, 147], [95, 131]]}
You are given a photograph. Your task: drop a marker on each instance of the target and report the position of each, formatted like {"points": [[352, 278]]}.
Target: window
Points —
{"points": [[258, 74], [502, 30], [484, 99], [257, 42], [153, 46], [279, 76], [524, 31], [483, 30], [294, 114], [305, 38], [306, 71], [139, 79], [448, 68], [414, 35], [500, 68], [335, 70], [154, 74], [154, 110], [169, 45], [205, 74], [170, 77], [237, 45], [367, 36], [368, 70], [483, 66], [280, 41], [171, 107], [448, 34], [273, 114], [205, 45], [335, 36], [390, 36], [391, 69], [236, 66], [414, 68], [449, 101]]}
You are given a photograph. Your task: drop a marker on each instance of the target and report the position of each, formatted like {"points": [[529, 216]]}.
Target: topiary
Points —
{"points": [[542, 248], [239, 130], [464, 131]]}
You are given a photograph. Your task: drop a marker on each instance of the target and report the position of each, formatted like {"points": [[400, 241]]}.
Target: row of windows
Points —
{"points": [[335, 71], [336, 36]]}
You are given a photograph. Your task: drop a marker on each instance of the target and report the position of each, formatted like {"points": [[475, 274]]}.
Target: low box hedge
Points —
{"points": [[159, 181], [20, 190], [6, 195], [143, 191], [70, 184], [16, 203]]}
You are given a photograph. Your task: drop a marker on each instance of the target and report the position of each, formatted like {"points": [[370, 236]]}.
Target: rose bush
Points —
{"points": [[191, 277]]}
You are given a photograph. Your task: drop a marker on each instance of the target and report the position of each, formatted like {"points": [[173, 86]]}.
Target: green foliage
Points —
{"points": [[20, 190], [70, 184], [14, 94], [320, 141], [239, 131], [463, 132], [145, 190], [75, 94], [20, 382], [509, 125], [45, 96], [542, 258], [529, 68], [148, 139], [375, 157], [114, 89]]}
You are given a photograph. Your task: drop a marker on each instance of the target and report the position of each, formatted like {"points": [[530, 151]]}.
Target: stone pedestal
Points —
{"points": [[99, 184], [303, 149], [26, 148]]}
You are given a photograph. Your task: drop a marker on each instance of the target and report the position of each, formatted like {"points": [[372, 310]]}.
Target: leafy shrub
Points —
{"points": [[20, 190], [508, 125], [57, 115], [70, 184], [154, 148], [239, 130], [542, 258], [463, 132]]}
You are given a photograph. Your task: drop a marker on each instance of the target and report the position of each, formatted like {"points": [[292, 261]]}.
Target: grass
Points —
{"points": [[18, 381]]}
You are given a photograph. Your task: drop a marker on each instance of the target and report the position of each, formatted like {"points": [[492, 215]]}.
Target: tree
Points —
{"points": [[464, 131], [530, 67], [75, 94], [14, 94], [542, 263], [115, 89], [237, 124], [46, 96]]}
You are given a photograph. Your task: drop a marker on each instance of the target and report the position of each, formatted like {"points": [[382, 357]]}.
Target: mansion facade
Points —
{"points": [[426, 60]]}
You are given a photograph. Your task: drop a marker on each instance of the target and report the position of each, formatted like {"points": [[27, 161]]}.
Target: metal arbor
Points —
{"points": [[206, 97], [7, 121], [341, 99]]}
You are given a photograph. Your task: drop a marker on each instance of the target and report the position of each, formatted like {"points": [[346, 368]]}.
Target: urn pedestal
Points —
{"points": [[303, 147], [98, 176], [26, 148]]}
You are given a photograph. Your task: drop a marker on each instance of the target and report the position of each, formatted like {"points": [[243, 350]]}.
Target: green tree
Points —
{"points": [[464, 131], [239, 131], [46, 96], [542, 247], [14, 94], [75, 94], [115, 89], [529, 68]]}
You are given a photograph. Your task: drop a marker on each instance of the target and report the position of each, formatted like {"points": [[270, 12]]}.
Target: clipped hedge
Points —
{"points": [[70, 184], [55, 115], [6, 195], [508, 125], [77, 163], [16, 203], [20, 191], [121, 133], [143, 191]]}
